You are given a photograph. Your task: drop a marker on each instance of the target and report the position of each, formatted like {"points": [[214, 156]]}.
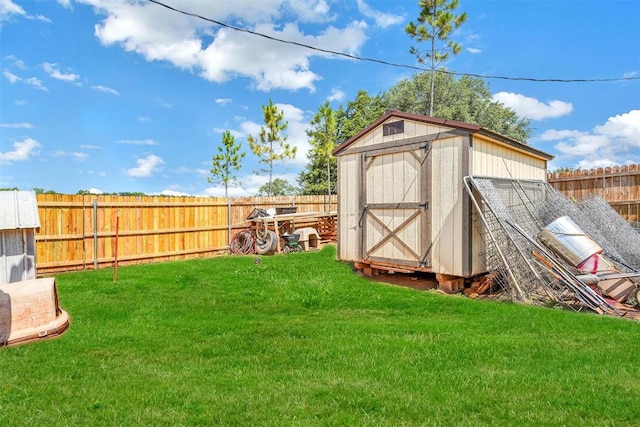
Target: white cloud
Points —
{"points": [[336, 95], [8, 8], [630, 74], [161, 35], [625, 127], [76, 155], [18, 63], [554, 135], [295, 132], [31, 81], [234, 133], [105, 89], [144, 119], [21, 151], [91, 172], [316, 11], [23, 125], [37, 83], [173, 193], [617, 141], [182, 170], [532, 108], [91, 147], [381, 19], [41, 18], [54, 72], [146, 167], [93, 190], [595, 163], [249, 185], [137, 142], [11, 77], [474, 50], [250, 128], [223, 101], [233, 191]]}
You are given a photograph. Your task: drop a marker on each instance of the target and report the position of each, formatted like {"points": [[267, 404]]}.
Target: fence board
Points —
{"points": [[76, 236], [618, 185]]}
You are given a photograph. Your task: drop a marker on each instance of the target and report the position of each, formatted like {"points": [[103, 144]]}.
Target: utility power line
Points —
{"points": [[383, 62]]}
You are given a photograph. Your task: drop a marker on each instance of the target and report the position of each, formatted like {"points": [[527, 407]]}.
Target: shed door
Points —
{"points": [[396, 218]]}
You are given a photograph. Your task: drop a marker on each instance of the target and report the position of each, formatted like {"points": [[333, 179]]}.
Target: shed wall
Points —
{"points": [[456, 247], [492, 159], [350, 197], [19, 220], [447, 206], [18, 209], [349, 209], [499, 161]]}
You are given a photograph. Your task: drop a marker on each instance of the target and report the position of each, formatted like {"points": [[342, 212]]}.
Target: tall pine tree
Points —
{"points": [[435, 24], [225, 162], [322, 137], [271, 146]]}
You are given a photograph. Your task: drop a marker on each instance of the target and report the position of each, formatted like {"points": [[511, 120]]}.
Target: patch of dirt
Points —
{"points": [[406, 280]]}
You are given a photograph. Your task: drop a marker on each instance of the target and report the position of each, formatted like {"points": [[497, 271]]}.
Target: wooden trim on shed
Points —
{"points": [[456, 125], [515, 145], [426, 195], [361, 203], [467, 143], [391, 147]]}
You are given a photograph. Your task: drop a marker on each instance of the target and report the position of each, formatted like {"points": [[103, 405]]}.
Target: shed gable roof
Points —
{"points": [[471, 128], [18, 209]]}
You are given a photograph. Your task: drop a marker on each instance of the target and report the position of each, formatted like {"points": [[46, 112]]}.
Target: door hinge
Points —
{"points": [[424, 205]]}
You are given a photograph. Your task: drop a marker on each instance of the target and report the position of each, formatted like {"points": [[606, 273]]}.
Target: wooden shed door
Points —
{"points": [[396, 218]]}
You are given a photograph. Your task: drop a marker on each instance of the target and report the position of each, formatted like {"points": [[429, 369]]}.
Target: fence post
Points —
{"points": [[228, 224], [95, 234]]}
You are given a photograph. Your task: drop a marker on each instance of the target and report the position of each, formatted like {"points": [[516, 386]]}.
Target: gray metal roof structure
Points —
{"points": [[18, 209]]}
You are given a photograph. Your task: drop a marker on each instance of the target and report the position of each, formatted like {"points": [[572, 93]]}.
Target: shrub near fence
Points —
{"points": [[619, 186], [79, 231]]}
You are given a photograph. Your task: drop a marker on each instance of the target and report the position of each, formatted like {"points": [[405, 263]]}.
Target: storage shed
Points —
{"points": [[401, 199], [19, 220]]}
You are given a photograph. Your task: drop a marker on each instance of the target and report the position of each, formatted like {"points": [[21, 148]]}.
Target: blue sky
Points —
{"points": [[124, 95]]}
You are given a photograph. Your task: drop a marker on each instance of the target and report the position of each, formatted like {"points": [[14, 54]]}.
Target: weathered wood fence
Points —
{"points": [[619, 186], [78, 232]]}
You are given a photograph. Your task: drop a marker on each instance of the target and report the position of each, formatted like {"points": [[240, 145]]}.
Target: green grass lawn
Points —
{"points": [[302, 340]]}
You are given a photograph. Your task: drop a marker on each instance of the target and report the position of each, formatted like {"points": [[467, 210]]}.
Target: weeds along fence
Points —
{"points": [[619, 186], [80, 232]]}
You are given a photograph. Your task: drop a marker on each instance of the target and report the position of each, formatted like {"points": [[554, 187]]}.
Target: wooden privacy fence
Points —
{"points": [[80, 232], [618, 185]]}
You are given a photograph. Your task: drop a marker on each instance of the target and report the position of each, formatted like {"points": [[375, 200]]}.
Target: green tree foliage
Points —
{"points": [[467, 99], [271, 146], [435, 24], [359, 114], [565, 169], [39, 190], [86, 192], [279, 187], [225, 162], [131, 193], [13, 189], [322, 137]]}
